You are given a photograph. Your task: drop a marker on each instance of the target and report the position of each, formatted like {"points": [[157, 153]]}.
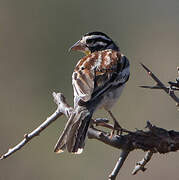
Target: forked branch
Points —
{"points": [[62, 108], [152, 140], [174, 86]]}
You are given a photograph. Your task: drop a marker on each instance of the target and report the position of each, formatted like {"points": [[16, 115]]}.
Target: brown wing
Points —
{"points": [[95, 72]]}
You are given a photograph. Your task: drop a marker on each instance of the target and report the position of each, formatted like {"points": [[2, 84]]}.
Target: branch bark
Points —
{"points": [[119, 164], [152, 140], [141, 164]]}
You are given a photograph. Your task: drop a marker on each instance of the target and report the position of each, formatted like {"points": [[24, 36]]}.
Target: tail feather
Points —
{"points": [[77, 135], [61, 143], [79, 145], [74, 135]]}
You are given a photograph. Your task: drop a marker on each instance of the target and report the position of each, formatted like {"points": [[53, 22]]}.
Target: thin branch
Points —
{"points": [[119, 164], [160, 85], [119, 142], [141, 164], [153, 140], [62, 107], [154, 87]]}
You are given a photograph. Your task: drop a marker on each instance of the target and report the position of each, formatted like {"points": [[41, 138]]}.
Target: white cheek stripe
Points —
{"points": [[94, 36]]}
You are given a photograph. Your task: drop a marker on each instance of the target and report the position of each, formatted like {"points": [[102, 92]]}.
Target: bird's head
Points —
{"points": [[94, 41]]}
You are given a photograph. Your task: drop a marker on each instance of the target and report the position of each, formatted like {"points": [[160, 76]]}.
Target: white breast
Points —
{"points": [[111, 98]]}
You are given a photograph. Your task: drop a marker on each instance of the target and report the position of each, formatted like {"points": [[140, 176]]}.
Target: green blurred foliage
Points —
{"points": [[34, 38]]}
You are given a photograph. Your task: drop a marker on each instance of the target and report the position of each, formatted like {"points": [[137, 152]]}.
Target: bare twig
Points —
{"points": [[119, 164], [141, 164], [62, 105], [160, 85], [153, 140]]}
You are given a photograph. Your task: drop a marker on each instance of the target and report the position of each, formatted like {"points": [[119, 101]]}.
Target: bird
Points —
{"points": [[98, 81]]}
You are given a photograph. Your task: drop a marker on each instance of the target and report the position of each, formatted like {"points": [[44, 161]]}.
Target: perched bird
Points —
{"points": [[98, 80]]}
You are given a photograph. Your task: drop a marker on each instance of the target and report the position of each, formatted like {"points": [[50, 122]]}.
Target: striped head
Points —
{"points": [[94, 41]]}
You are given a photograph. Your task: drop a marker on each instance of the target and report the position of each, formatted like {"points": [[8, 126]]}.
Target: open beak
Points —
{"points": [[79, 46]]}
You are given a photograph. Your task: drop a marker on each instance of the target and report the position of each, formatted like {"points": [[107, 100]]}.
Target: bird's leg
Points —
{"points": [[117, 127]]}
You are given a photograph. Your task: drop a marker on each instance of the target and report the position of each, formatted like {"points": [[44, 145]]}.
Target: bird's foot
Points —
{"points": [[116, 128]]}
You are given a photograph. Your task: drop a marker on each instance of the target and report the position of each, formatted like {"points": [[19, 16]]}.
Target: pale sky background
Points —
{"points": [[34, 61]]}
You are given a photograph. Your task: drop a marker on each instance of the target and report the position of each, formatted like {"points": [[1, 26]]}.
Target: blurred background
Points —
{"points": [[34, 38]]}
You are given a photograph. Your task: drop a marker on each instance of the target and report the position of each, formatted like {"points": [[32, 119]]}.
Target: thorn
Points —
{"points": [[145, 67], [149, 125], [149, 87], [141, 63]]}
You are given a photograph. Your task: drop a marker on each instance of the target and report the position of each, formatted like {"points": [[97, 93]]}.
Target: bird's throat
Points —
{"points": [[87, 52]]}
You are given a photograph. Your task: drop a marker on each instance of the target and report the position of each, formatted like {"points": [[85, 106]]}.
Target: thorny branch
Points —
{"points": [[174, 86], [152, 140]]}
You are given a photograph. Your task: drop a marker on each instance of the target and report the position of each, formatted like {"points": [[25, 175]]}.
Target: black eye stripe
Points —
{"points": [[98, 41], [89, 41], [97, 47]]}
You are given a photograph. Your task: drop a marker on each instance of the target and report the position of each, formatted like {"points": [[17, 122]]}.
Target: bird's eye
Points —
{"points": [[89, 41]]}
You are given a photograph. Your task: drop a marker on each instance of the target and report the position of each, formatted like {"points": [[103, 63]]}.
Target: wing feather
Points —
{"points": [[83, 85], [97, 72]]}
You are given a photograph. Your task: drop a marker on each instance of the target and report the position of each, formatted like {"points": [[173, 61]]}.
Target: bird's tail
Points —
{"points": [[74, 134]]}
